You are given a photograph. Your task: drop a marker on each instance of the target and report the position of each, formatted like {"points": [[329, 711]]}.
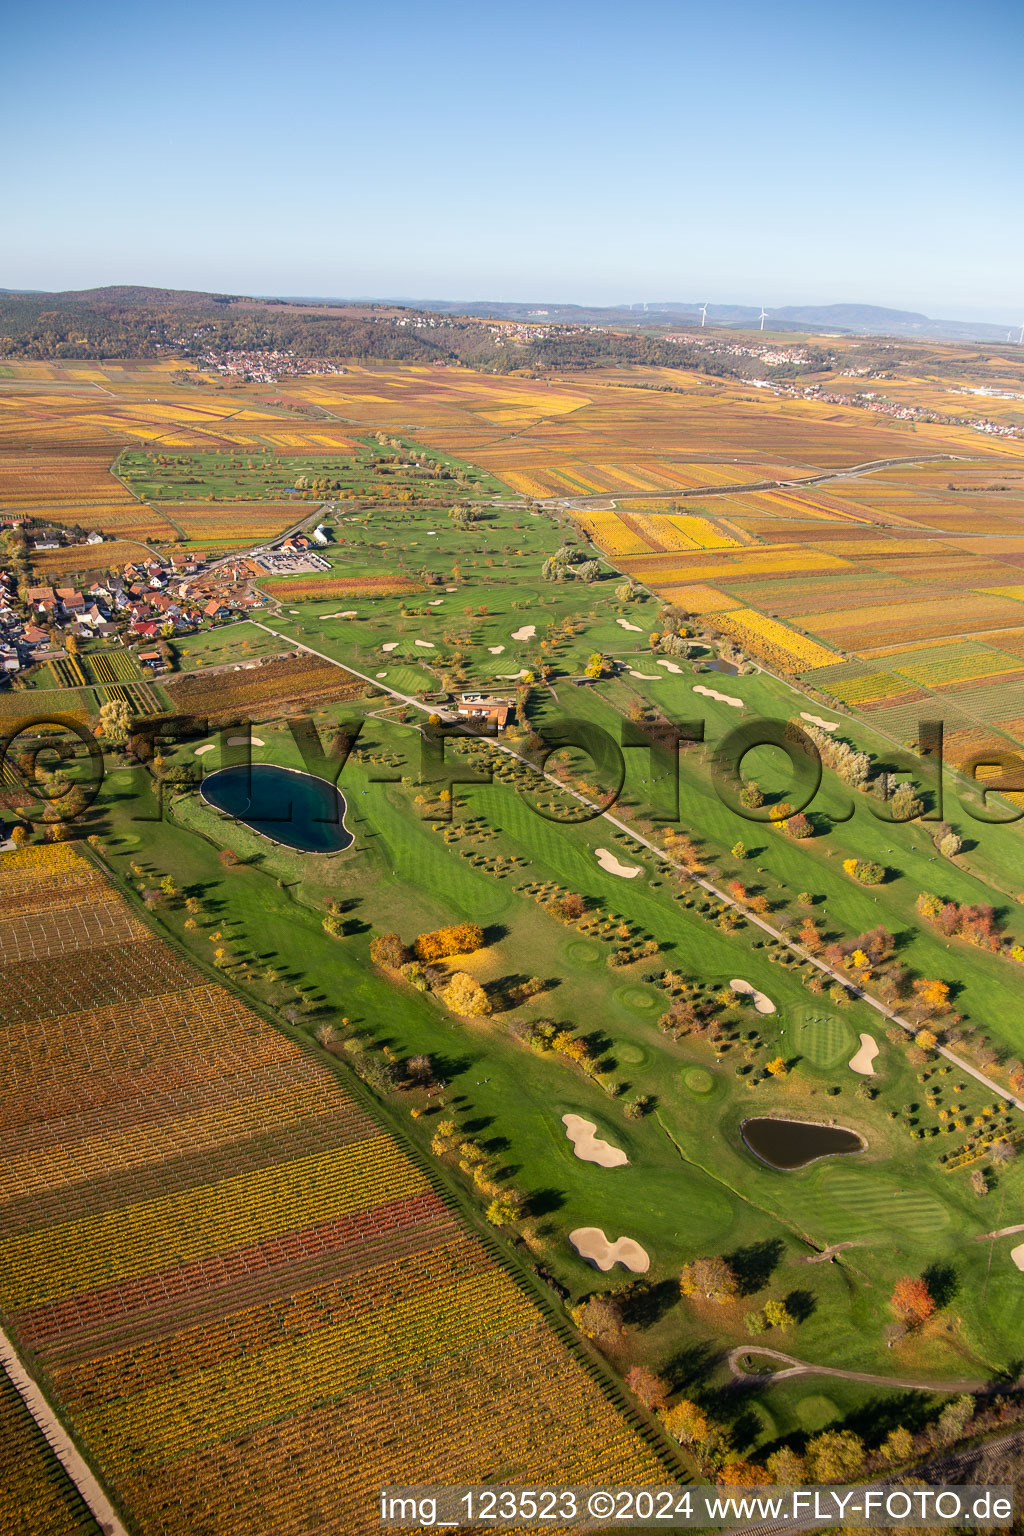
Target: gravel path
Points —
{"points": [[59, 1440]]}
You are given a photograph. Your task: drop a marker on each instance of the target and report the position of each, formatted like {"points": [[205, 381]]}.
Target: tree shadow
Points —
{"points": [[801, 1305], [879, 1416], [543, 1201], [941, 1280], [692, 1366], [754, 1265], [644, 1305]]}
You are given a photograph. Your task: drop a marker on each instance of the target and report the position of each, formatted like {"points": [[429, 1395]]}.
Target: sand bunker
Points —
{"points": [[514, 676], [525, 632], [609, 862], [241, 741], [436, 603], [426, 645], [451, 589], [589, 1148], [344, 613], [669, 666], [591, 1243], [761, 1003], [826, 725], [495, 650], [865, 1056], [625, 624], [647, 677], [380, 674], [713, 693], [390, 645], [1017, 1255], [208, 748]]}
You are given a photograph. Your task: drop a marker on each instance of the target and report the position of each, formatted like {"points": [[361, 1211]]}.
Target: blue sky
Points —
{"points": [[597, 153]]}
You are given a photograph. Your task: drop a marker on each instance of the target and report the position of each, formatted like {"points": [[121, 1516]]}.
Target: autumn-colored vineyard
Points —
{"points": [[247, 1301], [265, 687]]}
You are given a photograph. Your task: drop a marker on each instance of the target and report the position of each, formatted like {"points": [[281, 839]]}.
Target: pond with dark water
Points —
{"points": [[789, 1144], [296, 809]]}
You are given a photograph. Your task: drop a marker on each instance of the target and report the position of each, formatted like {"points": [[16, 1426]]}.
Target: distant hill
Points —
{"points": [[841, 319], [127, 320]]}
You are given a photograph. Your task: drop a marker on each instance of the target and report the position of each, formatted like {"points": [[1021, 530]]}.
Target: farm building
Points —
{"points": [[483, 708]]}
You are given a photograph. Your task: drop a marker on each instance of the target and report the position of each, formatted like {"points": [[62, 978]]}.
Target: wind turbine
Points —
{"points": [[703, 316], [763, 316]]}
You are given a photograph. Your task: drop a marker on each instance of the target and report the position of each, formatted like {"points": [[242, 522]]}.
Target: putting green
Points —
{"points": [[582, 952], [697, 1080], [630, 1055], [635, 997], [825, 1039]]}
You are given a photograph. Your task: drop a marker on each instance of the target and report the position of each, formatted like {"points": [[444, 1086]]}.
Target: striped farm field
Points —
{"points": [[873, 1207], [704, 533], [112, 667], [614, 535], [42, 703], [702, 599], [861, 687], [773, 642], [748, 563], [248, 1302], [936, 666], [663, 532]]}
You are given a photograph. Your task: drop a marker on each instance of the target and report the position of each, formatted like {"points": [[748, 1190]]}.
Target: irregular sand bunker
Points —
{"points": [[495, 650], [861, 1062], [669, 666], [1017, 1255], [762, 1003], [591, 1243], [436, 603], [713, 693], [826, 725], [589, 1147], [614, 866], [426, 645], [241, 741], [514, 676], [525, 632], [343, 613], [390, 645], [208, 748], [648, 677], [625, 624]]}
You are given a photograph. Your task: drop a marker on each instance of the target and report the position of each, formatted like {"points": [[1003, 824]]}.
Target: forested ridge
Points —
{"points": [[150, 322]]}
